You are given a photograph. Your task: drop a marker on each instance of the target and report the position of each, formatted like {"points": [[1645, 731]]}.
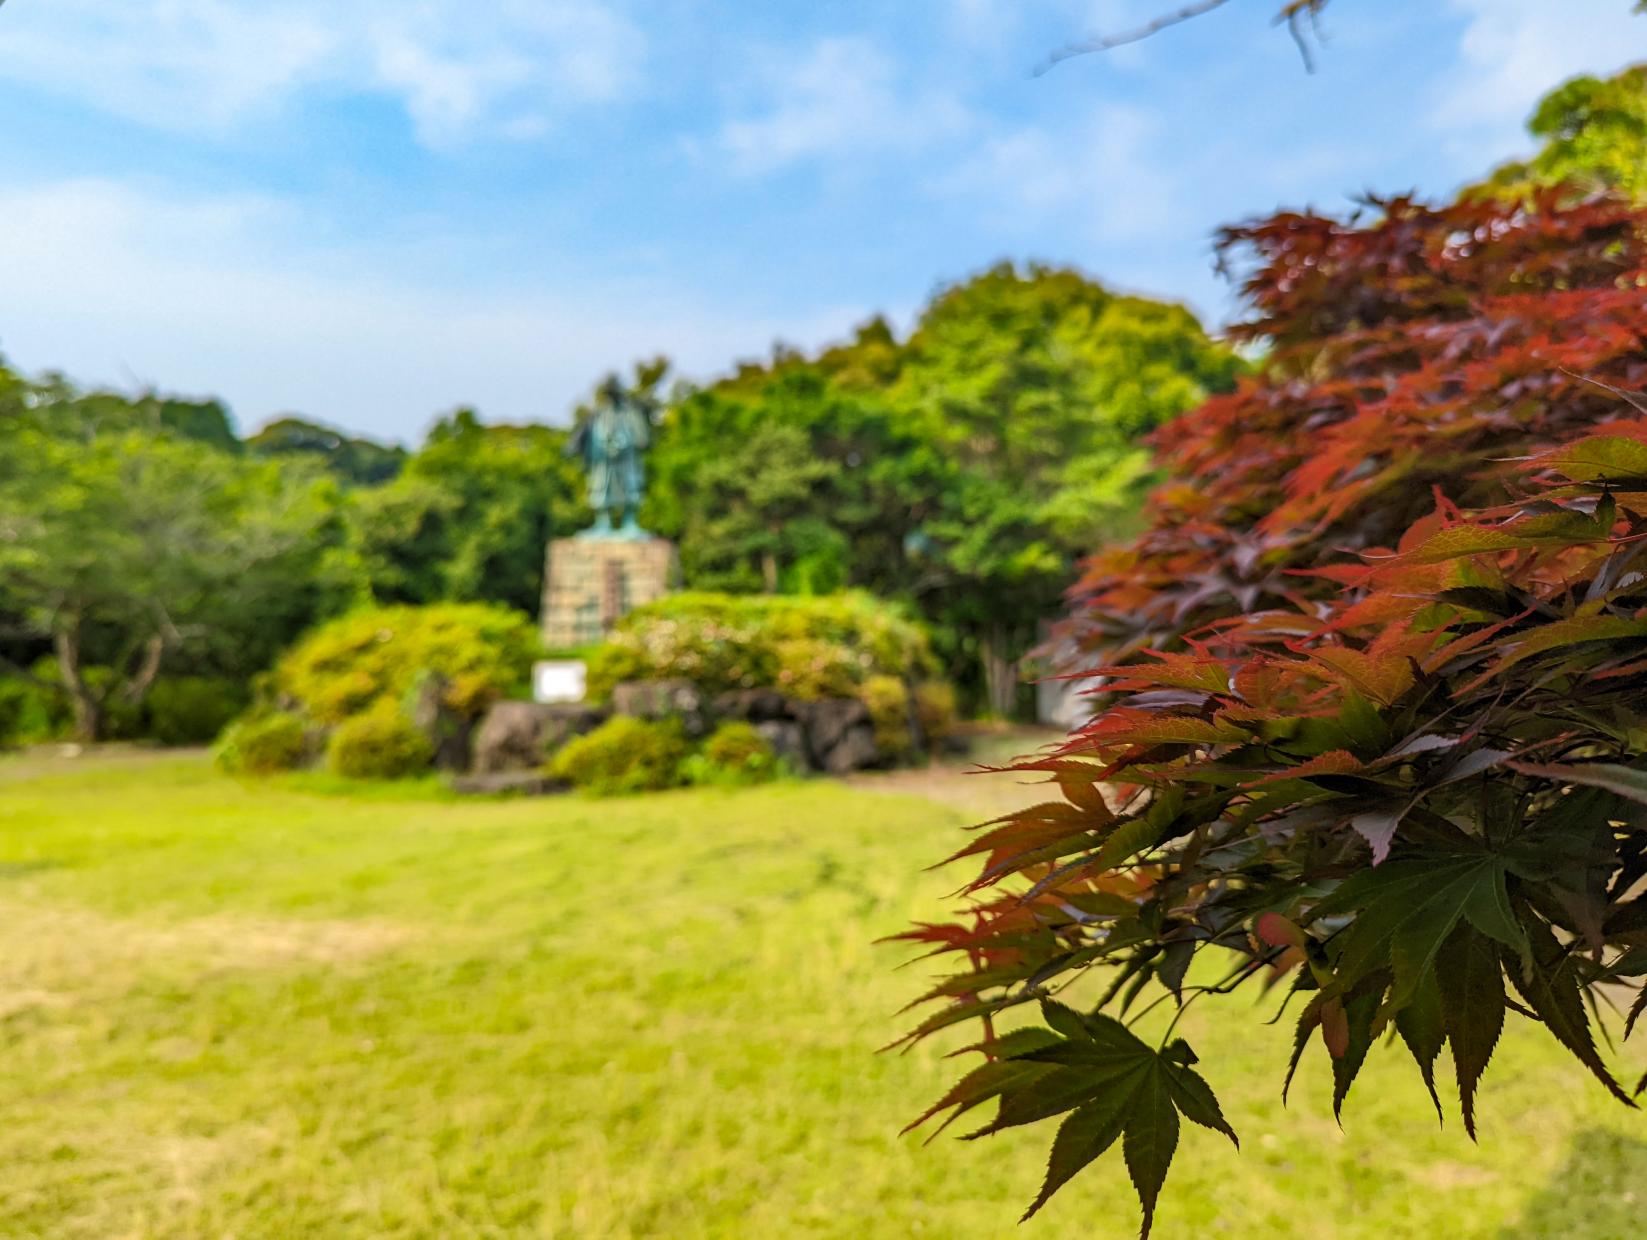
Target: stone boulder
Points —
{"points": [[662, 699], [788, 741], [447, 731], [751, 705], [516, 736], [827, 724], [854, 751]]}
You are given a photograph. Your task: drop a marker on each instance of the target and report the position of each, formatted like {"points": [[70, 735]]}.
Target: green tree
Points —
{"points": [[1595, 137], [352, 459], [468, 517], [783, 479], [122, 546], [1037, 385]]}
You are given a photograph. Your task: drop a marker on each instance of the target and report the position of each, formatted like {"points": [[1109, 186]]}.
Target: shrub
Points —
{"points": [[1413, 779], [30, 714], [733, 755], [344, 667], [807, 646], [936, 707], [263, 744], [887, 698], [623, 755], [380, 743], [191, 710]]}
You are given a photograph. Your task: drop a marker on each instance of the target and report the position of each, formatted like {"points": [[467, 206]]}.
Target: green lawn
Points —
{"points": [[275, 1011]]}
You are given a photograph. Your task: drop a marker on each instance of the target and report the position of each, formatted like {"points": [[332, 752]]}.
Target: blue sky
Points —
{"points": [[369, 212]]}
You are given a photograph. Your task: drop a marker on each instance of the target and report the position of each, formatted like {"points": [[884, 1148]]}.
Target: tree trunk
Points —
{"points": [[1000, 674], [769, 570], [88, 707]]}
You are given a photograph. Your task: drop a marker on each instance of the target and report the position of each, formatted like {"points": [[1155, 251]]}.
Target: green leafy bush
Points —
{"points": [[191, 710], [806, 646], [344, 667], [734, 755], [887, 698], [263, 744], [380, 743], [624, 755], [30, 714], [937, 709]]}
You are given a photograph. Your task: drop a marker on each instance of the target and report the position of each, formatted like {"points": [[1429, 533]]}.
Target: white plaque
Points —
{"points": [[559, 680]]}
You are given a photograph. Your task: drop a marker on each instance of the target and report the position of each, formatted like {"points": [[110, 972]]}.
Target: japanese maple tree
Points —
{"points": [[1373, 689]]}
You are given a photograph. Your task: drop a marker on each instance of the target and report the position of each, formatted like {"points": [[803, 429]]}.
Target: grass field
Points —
{"points": [[278, 1011]]}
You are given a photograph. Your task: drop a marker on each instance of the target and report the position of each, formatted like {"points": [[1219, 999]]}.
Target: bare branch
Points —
{"points": [[1293, 15], [1104, 43]]}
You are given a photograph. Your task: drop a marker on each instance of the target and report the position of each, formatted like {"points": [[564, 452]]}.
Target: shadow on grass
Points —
{"points": [[22, 869], [1599, 1193]]}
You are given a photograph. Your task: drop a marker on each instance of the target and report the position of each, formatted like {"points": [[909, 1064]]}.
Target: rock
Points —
{"points": [[447, 731], [751, 705], [662, 699], [855, 750], [827, 723], [507, 783], [519, 735], [788, 741]]}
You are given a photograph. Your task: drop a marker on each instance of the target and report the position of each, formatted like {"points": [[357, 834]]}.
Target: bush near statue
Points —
{"points": [[750, 687]]}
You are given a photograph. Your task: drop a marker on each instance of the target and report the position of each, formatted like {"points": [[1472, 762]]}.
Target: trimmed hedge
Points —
{"points": [[624, 755], [263, 744], [804, 646], [380, 743], [734, 755], [345, 667]]}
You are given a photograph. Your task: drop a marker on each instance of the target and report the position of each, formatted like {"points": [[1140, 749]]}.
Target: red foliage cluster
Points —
{"points": [[1376, 690], [1415, 351]]}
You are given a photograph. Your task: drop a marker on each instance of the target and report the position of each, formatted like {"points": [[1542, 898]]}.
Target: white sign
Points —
{"points": [[559, 680]]}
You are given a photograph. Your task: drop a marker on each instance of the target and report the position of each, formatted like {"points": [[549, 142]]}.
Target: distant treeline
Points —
{"points": [[961, 470]]}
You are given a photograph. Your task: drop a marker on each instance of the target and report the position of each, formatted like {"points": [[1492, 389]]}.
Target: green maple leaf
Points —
{"points": [[1115, 1087]]}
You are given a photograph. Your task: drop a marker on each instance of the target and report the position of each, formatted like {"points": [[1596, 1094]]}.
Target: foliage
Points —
{"points": [[806, 646], [963, 469], [623, 755], [785, 479], [191, 710], [1410, 777], [468, 517], [379, 743], [349, 664], [125, 544], [1485, 319], [354, 460], [263, 744], [734, 755], [1595, 138]]}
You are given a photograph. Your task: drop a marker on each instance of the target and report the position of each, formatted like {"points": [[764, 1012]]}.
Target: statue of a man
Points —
{"points": [[611, 442]]}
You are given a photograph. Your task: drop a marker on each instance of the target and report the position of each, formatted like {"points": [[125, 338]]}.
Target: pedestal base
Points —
{"points": [[589, 584]]}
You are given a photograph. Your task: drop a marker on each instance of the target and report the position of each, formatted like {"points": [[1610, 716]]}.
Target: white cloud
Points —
{"points": [[1104, 174], [842, 98], [459, 70], [1513, 51], [116, 284]]}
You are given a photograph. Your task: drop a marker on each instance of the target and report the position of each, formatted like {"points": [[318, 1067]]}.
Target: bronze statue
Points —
{"points": [[611, 440]]}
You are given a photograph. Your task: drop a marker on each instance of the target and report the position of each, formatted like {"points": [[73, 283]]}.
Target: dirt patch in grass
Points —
{"points": [[52, 955]]}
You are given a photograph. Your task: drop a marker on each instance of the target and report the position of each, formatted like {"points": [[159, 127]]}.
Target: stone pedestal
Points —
{"points": [[589, 584]]}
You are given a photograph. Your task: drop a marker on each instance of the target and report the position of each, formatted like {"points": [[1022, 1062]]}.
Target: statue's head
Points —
{"points": [[610, 391]]}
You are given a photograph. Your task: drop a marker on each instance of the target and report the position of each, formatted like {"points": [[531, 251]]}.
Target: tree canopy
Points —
{"points": [[127, 534]]}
